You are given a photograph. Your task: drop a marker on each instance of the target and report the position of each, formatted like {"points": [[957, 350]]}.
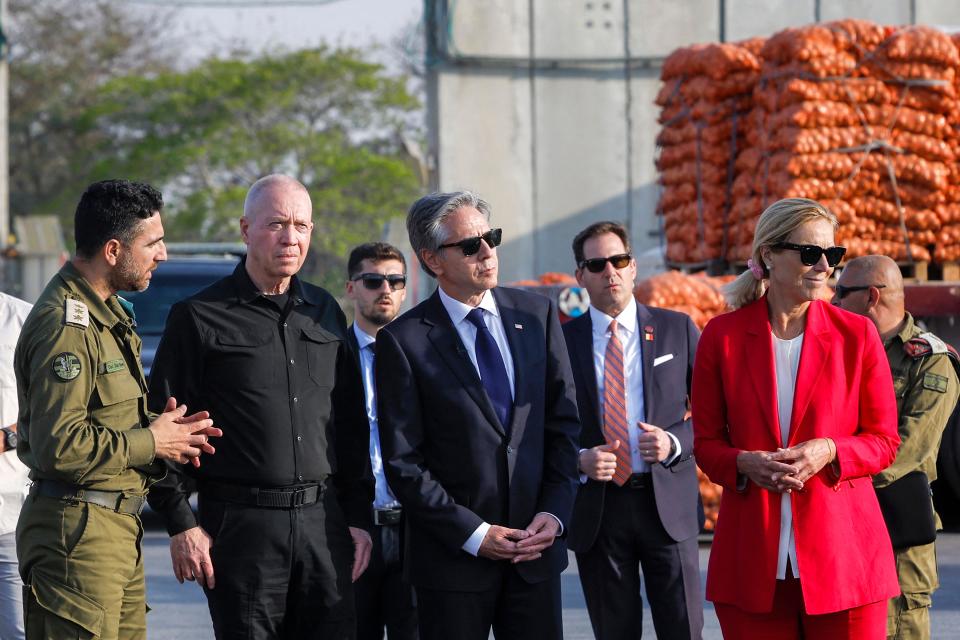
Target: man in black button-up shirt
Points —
{"points": [[286, 503]]}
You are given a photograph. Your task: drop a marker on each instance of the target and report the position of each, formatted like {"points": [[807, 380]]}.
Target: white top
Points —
{"points": [[383, 497], [14, 482], [786, 360]]}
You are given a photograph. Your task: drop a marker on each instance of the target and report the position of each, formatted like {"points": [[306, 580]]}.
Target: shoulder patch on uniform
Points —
{"points": [[76, 313], [66, 365], [935, 382]]}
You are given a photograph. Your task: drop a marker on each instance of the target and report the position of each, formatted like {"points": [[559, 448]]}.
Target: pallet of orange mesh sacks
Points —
{"points": [[863, 118], [706, 91]]}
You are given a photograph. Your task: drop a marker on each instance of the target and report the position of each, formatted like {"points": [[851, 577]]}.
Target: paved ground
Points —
{"points": [[180, 611]]}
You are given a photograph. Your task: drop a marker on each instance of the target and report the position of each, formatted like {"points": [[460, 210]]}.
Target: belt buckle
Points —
{"points": [[385, 517], [637, 481], [299, 497]]}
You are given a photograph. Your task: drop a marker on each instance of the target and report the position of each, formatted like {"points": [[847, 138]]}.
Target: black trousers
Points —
{"points": [[514, 609], [630, 537], [384, 599], [280, 573]]}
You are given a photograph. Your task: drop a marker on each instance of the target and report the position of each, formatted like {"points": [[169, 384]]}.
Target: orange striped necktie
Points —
{"points": [[615, 406]]}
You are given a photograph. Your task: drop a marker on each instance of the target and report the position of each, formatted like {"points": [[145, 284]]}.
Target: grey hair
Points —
{"points": [[264, 184], [426, 217]]}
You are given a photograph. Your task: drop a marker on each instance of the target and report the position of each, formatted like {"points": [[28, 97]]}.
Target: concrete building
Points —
{"points": [[546, 106]]}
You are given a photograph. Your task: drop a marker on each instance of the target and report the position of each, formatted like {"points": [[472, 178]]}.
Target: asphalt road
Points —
{"points": [[180, 611]]}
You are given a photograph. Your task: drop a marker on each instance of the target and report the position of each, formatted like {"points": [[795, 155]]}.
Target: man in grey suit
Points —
{"points": [[638, 502]]}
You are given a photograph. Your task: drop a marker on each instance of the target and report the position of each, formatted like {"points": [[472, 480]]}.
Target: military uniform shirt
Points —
{"points": [[82, 391], [927, 390]]}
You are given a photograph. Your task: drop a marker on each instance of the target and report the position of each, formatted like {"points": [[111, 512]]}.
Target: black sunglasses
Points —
{"points": [[596, 265], [470, 246], [810, 253], [374, 281], [842, 291]]}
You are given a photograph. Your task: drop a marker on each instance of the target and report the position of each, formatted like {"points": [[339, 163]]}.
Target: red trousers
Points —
{"points": [[789, 621]]}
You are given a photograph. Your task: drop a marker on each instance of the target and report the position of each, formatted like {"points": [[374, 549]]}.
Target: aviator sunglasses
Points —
{"points": [[374, 281], [843, 291], [596, 265], [470, 246], [810, 253]]}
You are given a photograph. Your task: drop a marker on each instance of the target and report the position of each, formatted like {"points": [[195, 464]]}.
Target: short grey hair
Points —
{"points": [[252, 201], [427, 215]]}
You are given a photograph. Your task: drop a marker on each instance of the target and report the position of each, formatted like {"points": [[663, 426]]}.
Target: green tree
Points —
{"points": [[62, 53], [330, 117]]}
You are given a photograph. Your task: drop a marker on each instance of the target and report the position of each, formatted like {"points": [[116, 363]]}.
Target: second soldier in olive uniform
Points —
{"points": [[84, 429], [926, 384]]}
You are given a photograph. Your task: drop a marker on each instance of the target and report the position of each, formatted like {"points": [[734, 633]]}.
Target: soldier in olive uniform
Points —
{"points": [[926, 384], [84, 429]]}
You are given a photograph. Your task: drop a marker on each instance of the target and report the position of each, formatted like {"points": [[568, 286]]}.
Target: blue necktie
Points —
{"points": [[493, 373]]}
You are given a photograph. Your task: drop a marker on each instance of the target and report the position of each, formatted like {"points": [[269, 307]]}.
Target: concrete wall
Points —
{"points": [[546, 106]]}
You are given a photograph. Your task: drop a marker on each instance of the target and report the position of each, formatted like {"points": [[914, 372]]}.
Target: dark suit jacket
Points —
{"points": [[666, 388], [447, 457]]}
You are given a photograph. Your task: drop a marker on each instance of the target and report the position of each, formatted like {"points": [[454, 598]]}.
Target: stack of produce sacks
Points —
{"points": [[706, 93], [857, 116], [948, 239]]}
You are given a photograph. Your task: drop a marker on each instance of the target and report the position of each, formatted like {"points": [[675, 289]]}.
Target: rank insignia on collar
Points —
{"points": [[76, 313], [66, 365]]}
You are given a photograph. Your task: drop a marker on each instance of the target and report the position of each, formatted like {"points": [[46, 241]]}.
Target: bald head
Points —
{"points": [[872, 286], [267, 189], [874, 270]]}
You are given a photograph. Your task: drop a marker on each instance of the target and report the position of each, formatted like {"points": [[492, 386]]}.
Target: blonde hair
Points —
{"points": [[775, 225]]}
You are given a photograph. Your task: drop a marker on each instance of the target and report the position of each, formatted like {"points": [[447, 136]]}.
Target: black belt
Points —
{"points": [[383, 517], [275, 497], [114, 500], [639, 481]]}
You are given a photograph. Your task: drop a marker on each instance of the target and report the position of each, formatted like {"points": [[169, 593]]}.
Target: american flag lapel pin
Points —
{"points": [[517, 325], [648, 333]]}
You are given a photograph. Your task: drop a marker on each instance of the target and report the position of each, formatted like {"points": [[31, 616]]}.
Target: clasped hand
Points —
{"points": [[520, 545], [786, 470]]}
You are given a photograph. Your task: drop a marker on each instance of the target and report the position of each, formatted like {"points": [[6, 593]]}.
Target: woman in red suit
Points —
{"points": [[793, 411]]}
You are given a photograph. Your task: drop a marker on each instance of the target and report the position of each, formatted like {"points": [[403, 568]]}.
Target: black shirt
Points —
{"points": [[279, 381]]}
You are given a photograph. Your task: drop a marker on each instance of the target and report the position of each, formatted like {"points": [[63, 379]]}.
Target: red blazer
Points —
{"points": [[844, 391]]}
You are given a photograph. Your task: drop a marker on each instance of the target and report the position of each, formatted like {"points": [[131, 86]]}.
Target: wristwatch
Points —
{"points": [[9, 439]]}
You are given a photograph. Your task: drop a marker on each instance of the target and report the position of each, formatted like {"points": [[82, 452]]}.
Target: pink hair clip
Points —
{"points": [[755, 269]]}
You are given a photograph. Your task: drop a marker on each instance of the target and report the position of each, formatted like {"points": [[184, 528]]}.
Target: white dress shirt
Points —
{"points": [[14, 482], [629, 335], [786, 359], [468, 335], [383, 498]]}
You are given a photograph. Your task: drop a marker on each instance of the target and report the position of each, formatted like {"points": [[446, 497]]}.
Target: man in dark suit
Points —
{"points": [[638, 504], [377, 286], [479, 431]]}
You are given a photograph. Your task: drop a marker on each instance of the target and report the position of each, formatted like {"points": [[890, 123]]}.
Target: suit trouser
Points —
{"points": [[11, 590], [384, 598], [789, 621], [83, 568], [631, 537], [280, 573], [514, 609], [908, 615]]}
